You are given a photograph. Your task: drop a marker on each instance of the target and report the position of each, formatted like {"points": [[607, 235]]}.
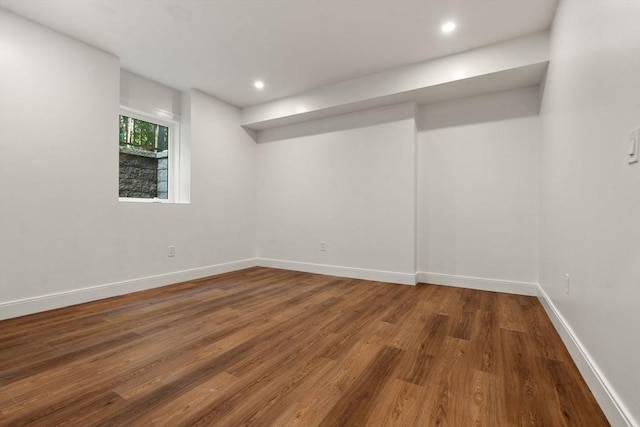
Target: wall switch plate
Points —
{"points": [[634, 148], [323, 246], [567, 283], [171, 251]]}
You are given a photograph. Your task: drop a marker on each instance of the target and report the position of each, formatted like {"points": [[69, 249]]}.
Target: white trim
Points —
{"points": [[336, 270], [615, 411], [139, 200], [76, 296], [172, 123], [481, 283], [158, 116]]}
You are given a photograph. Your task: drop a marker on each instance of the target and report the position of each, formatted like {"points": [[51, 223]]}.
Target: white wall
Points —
{"points": [[348, 181], [477, 190], [351, 181], [65, 237], [148, 96], [590, 196], [223, 184]]}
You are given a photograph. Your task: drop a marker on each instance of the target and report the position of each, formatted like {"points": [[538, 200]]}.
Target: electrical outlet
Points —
{"points": [[567, 283], [634, 146], [171, 251], [323, 246]]}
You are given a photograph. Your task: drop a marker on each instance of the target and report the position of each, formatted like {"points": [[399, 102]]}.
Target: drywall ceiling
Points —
{"points": [[220, 47], [503, 66]]}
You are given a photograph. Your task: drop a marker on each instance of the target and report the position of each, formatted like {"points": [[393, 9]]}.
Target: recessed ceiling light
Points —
{"points": [[448, 27], [258, 84]]}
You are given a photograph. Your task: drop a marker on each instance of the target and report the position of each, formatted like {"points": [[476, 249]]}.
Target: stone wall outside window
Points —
{"points": [[143, 174]]}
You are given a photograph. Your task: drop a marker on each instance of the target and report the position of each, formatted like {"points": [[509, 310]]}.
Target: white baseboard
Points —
{"points": [[611, 405], [480, 283], [334, 270], [31, 305]]}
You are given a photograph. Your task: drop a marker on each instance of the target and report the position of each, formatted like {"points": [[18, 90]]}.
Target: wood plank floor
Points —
{"points": [[265, 347]]}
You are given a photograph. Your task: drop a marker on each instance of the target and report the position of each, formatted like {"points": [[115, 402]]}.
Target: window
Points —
{"points": [[148, 151]]}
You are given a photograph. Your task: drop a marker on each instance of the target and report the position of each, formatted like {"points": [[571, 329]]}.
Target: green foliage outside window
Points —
{"points": [[142, 135]]}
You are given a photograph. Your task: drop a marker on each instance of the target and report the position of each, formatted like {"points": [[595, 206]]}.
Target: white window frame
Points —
{"points": [[173, 164]]}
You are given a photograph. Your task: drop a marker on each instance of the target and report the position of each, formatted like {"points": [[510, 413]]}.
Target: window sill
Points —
{"points": [[153, 201]]}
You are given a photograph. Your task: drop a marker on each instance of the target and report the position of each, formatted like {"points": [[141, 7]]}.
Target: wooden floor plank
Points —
{"points": [[398, 406], [357, 403], [266, 347]]}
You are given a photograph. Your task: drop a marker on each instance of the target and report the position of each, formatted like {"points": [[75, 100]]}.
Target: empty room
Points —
{"points": [[320, 213]]}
